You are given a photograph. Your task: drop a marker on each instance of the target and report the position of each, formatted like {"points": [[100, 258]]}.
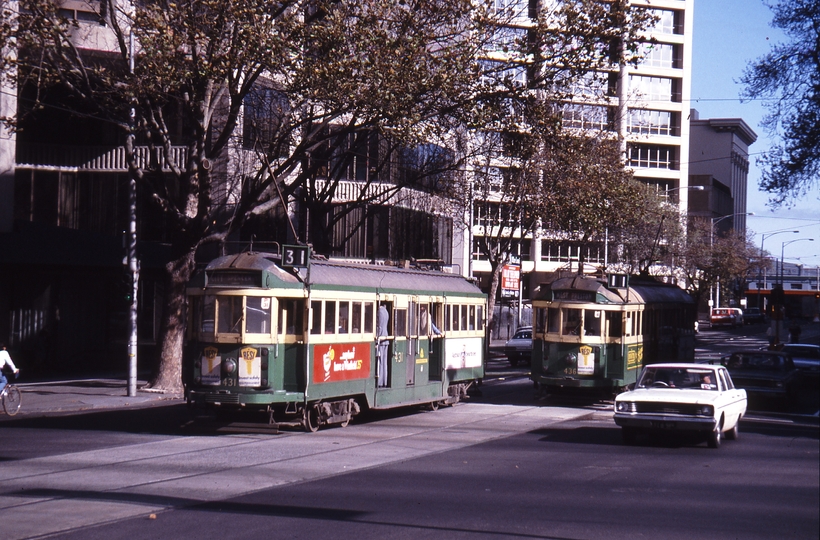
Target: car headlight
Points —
{"points": [[229, 365], [623, 406], [707, 410]]}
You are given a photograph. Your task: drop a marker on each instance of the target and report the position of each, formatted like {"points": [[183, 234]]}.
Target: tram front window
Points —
{"points": [[229, 314], [554, 320], [258, 321], [572, 322], [208, 311], [592, 322]]}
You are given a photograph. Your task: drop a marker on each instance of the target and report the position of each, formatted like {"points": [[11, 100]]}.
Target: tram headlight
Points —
{"points": [[229, 365]]}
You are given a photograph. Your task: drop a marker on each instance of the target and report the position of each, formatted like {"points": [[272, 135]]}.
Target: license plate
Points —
{"points": [[662, 425]]}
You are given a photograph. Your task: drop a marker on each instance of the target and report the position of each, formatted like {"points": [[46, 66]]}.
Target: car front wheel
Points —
{"points": [[732, 434], [714, 437]]}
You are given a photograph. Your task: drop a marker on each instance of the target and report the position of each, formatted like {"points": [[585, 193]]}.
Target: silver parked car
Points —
{"points": [[519, 347]]}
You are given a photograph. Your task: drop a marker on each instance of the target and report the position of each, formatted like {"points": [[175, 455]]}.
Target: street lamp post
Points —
{"points": [[763, 238], [714, 298], [782, 314]]}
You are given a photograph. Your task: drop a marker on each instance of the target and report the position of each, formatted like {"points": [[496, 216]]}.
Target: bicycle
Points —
{"points": [[11, 397]]}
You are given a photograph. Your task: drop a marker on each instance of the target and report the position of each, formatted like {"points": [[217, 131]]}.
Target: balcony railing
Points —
{"points": [[92, 158]]}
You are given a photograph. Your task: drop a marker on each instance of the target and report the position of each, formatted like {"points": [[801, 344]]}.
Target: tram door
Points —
{"points": [[412, 340], [290, 368], [436, 352]]}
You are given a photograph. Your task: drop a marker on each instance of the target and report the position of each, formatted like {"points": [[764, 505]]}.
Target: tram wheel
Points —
{"points": [[311, 419], [434, 405], [346, 422]]}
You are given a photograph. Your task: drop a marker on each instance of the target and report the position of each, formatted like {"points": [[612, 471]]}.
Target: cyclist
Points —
{"points": [[5, 360]]}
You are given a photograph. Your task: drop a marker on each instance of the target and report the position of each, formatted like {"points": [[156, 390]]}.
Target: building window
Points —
{"points": [[576, 115], [658, 55], [669, 22], [655, 88], [646, 122], [652, 156], [796, 286]]}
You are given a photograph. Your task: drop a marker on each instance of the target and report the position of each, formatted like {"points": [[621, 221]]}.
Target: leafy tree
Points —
{"points": [[325, 74], [788, 78], [524, 169], [706, 259]]}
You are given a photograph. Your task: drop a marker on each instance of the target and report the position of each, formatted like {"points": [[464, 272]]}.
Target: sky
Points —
{"points": [[728, 34]]}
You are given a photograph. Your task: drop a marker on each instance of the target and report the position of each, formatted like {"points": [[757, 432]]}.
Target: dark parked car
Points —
{"points": [[764, 373], [753, 315], [519, 347], [804, 356]]}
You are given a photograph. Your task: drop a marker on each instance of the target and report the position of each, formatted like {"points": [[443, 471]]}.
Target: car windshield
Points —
{"points": [[666, 377]]}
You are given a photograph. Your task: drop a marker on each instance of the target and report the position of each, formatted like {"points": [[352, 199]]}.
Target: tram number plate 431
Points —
{"points": [[662, 425]]}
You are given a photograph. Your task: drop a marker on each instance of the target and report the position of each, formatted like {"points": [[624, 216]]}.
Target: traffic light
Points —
{"points": [[778, 296], [126, 287]]}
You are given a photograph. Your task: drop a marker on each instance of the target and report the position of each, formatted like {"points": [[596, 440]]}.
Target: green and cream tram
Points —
{"points": [[316, 344], [593, 334]]}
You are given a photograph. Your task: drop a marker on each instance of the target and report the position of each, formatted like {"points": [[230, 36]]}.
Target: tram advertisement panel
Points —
{"points": [[634, 356], [211, 367], [341, 362], [586, 360], [462, 353], [250, 368]]}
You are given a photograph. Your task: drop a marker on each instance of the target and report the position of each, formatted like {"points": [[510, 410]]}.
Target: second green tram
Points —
{"points": [[590, 333]]}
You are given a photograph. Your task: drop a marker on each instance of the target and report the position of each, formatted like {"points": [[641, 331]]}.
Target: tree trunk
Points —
{"points": [[495, 271], [168, 375]]}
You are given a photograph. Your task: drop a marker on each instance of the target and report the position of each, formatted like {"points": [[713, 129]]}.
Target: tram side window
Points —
{"points": [[208, 313], [316, 317], [554, 319], [464, 318], [540, 320], [400, 322], [356, 318], [330, 317], [447, 317], [471, 318], [572, 322], [229, 314], [258, 321], [368, 317], [614, 320], [291, 316], [480, 322], [592, 322], [344, 317], [424, 319]]}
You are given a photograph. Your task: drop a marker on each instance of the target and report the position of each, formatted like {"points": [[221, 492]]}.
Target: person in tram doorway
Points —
{"points": [[382, 318], [5, 363]]}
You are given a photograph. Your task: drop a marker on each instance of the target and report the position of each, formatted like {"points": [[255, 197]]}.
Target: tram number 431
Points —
{"points": [[295, 256]]}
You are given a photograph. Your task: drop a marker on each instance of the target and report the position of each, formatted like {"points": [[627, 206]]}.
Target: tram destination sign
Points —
{"points": [[233, 278], [577, 296]]}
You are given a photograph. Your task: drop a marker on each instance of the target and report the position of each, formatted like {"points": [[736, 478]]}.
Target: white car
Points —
{"points": [[682, 397]]}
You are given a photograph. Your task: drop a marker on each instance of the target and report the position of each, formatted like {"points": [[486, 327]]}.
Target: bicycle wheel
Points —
{"points": [[12, 400]]}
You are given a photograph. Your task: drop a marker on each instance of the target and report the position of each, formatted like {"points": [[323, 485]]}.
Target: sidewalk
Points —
{"points": [[77, 395]]}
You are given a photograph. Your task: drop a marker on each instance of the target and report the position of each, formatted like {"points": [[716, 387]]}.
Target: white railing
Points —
{"points": [[92, 158]]}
